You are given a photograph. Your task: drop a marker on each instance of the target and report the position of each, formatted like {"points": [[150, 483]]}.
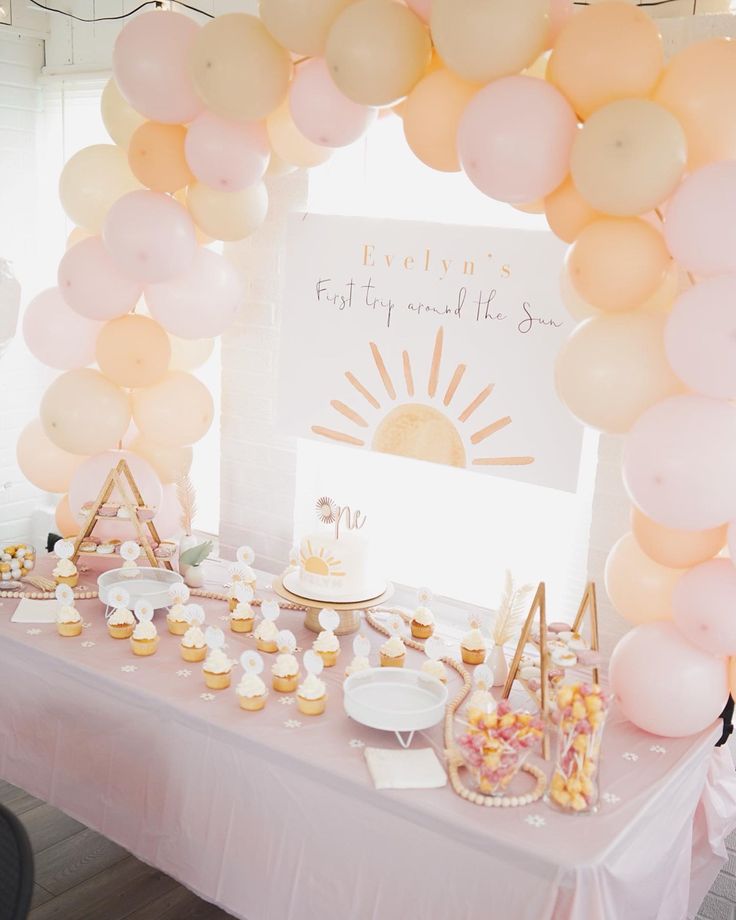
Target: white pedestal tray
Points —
{"points": [[399, 700], [147, 584], [349, 611]]}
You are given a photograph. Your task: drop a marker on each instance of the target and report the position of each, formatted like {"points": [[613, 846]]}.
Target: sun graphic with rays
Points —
{"points": [[417, 429], [319, 562]]}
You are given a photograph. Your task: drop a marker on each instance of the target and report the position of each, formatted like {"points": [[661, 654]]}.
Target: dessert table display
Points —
{"points": [[230, 798]]}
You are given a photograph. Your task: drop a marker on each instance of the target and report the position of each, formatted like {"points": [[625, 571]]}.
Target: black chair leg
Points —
{"points": [[727, 716]]}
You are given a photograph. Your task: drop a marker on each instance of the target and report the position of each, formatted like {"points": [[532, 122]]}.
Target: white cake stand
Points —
{"points": [[349, 612]]}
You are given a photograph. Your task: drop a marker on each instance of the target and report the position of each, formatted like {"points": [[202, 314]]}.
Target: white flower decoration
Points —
{"points": [[207, 697], [611, 798], [658, 749], [33, 632], [292, 723], [286, 700], [129, 668], [535, 820], [225, 618], [356, 743], [86, 625], [88, 644], [183, 672], [629, 756]]}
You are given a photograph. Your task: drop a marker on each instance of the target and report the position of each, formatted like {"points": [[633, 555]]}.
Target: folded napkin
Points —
{"points": [[410, 769], [29, 611]]}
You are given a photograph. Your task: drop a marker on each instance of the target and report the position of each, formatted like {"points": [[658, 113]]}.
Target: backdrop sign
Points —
{"points": [[428, 341]]}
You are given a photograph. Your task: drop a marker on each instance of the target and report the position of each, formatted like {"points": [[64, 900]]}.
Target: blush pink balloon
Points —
{"points": [[149, 236], [227, 155], [704, 606], [699, 227], [680, 462], [664, 684], [515, 138], [168, 518], [321, 112], [559, 13], [423, 8], [150, 63], [91, 283], [56, 335], [700, 337], [202, 302]]}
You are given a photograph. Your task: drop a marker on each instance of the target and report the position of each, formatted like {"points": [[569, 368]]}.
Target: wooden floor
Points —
{"points": [[81, 875]]}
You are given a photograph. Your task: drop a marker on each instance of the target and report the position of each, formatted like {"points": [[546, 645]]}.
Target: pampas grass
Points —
{"points": [[512, 610], [187, 496]]}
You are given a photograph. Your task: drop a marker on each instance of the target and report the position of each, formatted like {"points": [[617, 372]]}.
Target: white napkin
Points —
{"points": [[29, 611], [411, 769]]}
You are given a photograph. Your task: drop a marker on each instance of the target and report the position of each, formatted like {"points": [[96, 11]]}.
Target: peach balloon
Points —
{"points": [[240, 71], [76, 236], [289, 144], [301, 27], [83, 412], [92, 180], [732, 676], [189, 354], [150, 65], [57, 335], [228, 216], [482, 40], [371, 31], [156, 157], [616, 264], [42, 462], [697, 87], [91, 283], [613, 368], [66, 524], [676, 549], [578, 308], [606, 52], [118, 115], [170, 463], [568, 213], [560, 11], [224, 154], [157, 410], [431, 116], [133, 351], [629, 157], [639, 588]]}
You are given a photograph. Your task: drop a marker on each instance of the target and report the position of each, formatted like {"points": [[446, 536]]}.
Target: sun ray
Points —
{"points": [[362, 390], [434, 371], [407, 374], [337, 436], [479, 399], [486, 432], [349, 413], [385, 376], [503, 461], [454, 383]]}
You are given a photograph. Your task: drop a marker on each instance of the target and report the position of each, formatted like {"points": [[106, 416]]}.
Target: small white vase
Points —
{"points": [[497, 663], [193, 575], [187, 541]]}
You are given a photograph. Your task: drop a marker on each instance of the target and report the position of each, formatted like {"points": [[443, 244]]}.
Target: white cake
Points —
{"points": [[335, 569]]}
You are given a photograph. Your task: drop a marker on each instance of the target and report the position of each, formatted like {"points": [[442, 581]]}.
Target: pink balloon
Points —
{"points": [[704, 606], [515, 138], [202, 302], [699, 225], [150, 63], [225, 154], [664, 684], [700, 337], [168, 519], [321, 112], [89, 477], [680, 463], [149, 236], [559, 13], [56, 335], [92, 285], [423, 8]]}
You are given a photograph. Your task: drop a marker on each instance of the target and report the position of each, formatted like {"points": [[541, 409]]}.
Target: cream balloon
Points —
{"points": [[175, 412], [578, 308], [92, 180], [482, 40], [118, 115], [568, 213], [42, 462], [676, 549], [301, 27], [629, 157], [639, 588], [227, 216], [133, 351], [431, 117], [76, 236], [613, 368], [278, 167], [189, 354], [288, 143], [239, 69], [82, 412], [170, 463], [377, 51]]}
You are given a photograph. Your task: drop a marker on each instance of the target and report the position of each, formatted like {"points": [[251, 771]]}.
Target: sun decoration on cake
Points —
{"points": [[327, 510], [415, 429], [320, 562]]}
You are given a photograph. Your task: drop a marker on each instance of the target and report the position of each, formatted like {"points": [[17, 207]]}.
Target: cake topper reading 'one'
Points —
{"points": [[329, 512]]}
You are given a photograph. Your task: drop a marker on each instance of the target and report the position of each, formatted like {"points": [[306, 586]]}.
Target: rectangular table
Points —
{"points": [[273, 816]]}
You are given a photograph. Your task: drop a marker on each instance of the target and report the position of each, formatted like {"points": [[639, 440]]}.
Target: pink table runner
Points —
{"points": [[272, 815]]}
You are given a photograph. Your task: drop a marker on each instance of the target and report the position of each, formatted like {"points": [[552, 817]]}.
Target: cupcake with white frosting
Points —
{"points": [[251, 692], [68, 620], [193, 646], [311, 696], [435, 668], [327, 646], [144, 640], [473, 647], [121, 623], [217, 668], [393, 652]]}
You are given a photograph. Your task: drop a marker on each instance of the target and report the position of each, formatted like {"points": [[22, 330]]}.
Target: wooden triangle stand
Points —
{"points": [[117, 479], [589, 605]]}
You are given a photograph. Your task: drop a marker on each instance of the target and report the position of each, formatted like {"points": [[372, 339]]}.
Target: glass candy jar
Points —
{"points": [[17, 558]]}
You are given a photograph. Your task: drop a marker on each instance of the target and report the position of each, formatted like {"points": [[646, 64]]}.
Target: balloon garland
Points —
{"points": [[632, 161]]}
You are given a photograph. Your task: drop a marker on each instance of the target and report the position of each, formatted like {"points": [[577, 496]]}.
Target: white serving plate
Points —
{"points": [[395, 699], [150, 584], [293, 583]]}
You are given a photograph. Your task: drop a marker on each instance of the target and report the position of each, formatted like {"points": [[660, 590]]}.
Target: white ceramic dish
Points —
{"points": [[293, 583], [395, 699], [148, 584]]}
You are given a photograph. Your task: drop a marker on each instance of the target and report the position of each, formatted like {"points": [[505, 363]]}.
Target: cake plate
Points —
{"points": [[349, 612]]}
